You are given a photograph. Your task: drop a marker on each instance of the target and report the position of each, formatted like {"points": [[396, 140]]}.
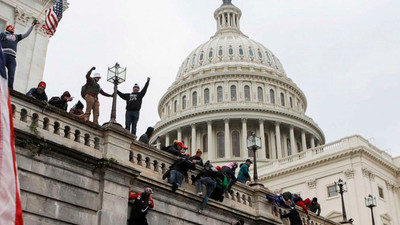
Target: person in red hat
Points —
{"points": [[9, 42], [38, 93], [61, 102], [141, 202]]}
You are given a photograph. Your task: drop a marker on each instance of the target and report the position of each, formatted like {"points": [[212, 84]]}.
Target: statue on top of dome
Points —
{"points": [[226, 2]]}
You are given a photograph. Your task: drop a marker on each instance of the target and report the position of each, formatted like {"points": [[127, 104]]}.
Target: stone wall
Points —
{"points": [[75, 172]]}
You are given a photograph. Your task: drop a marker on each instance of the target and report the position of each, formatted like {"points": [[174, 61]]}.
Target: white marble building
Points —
{"points": [[231, 86], [33, 49]]}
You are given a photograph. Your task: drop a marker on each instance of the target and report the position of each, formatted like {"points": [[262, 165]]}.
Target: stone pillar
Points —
{"points": [[303, 140], [262, 154], [167, 139], [273, 143], [245, 152], [278, 140], [312, 141], [227, 142], [285, 147], [179, 136], [211, 149], [194, 138], [158, 145], [292, 141]]}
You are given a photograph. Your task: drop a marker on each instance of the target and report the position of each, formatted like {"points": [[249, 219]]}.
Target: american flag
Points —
{"points": [[53, 17], [10, 199]]}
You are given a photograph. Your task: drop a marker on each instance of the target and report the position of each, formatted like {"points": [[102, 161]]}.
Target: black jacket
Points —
{"points": [[293, 216], [134, 100], [183, 164], [58, 102]]}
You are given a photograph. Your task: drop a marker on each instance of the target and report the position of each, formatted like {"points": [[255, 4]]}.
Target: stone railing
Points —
{"points": [[49, 124]]}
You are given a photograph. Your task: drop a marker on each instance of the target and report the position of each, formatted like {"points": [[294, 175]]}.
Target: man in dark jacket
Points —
{"points": [[61, 102], [210, 178], [141, 204], [92, 91], [39, 92], [293, 216], [244, 175], [133, 105], [314, 206], [179, 171], [145, 138], [9, 42]]}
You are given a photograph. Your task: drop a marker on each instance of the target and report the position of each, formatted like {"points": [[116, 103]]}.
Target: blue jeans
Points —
{"points": [[131, 118], [243, 181], [11, 65], [210, 185], [176, 177]]}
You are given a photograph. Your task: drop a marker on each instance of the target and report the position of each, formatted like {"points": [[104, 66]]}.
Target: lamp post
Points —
{"points": [[254, 143], [340, 183], [115, 75], [370, 202]]}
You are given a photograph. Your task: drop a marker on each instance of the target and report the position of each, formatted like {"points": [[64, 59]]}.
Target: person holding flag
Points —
{"points": [[10, 198], [9, 42]]}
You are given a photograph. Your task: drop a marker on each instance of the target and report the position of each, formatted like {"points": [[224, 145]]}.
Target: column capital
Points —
{"points": [[244, 120], [193, 125], [261, 121], [277, 123], [291, 127], [226, 120], [209, 122]]}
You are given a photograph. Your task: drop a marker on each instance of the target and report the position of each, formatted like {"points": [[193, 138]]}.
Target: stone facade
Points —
{"points": [[76, 172]]}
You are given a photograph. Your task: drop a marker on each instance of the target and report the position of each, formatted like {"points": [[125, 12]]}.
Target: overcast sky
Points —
{"points": [[343, 54]]}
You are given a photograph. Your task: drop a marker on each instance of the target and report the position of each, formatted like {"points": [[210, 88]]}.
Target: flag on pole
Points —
{"points": [[53, 17], [10, 200]]}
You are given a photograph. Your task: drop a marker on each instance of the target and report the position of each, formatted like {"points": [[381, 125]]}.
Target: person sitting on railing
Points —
{"points": [[77, 110], [229, 171], [179, 171], [61, 102], [141, 202], [299, 202], [288, 198], [314, 206], [196, 159], [277, 200], [145, 138], [38, 93]]}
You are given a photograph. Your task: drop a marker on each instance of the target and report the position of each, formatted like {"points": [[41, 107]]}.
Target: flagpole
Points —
{"points": [[44, 8]]}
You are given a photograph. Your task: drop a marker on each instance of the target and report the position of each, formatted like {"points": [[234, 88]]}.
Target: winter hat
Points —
{"points": [[43, 84], [96, 75], [79, 105], [182, 145], [9, 27], [148, 190], [136, 86]]}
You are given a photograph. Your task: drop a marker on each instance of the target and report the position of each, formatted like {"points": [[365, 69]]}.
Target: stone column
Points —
{"points": [[167, 139], [211, 149], [278, 140], [179, 136], [312, 141], [227, 142], [273, 143], [194, 138], [292, 141], [262, 154], [303, 140], [285, 147], [245, 152]]}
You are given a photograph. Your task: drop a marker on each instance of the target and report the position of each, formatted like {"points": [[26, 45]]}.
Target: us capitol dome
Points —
{"points": [[228, 88]]}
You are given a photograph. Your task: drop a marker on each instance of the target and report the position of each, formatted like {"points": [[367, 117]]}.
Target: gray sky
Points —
{"points": [[343, 54]]}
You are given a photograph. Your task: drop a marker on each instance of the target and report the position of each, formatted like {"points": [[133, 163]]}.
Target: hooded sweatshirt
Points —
{"points": [[303, 204]]}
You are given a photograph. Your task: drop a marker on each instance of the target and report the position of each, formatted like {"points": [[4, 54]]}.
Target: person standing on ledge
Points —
{"points": [[133, 105], [9, 42]]}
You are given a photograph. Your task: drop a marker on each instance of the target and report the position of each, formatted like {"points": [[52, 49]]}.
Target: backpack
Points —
{"points": [[83, 91], [225, 183], [140, 207]]}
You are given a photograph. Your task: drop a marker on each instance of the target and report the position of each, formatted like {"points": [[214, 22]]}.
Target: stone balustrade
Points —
{"points": [[141, 164]]}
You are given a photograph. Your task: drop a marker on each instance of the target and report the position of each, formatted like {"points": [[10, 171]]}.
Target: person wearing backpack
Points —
{"points": [[91, 91], [141, 204], [133, 105]]}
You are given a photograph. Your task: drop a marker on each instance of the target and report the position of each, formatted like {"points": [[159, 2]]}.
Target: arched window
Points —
{"points": [[219, 94], [260, 95], [230, 51], [175, 106], [194, 98], [235, 144], [282, 99], [233, 93], [291, 102], [241, 51], [247, 93], [201, 56], [221, 145], [205, 143], [184, 102], [272, 96], [220, 51], [206, 96], [210, 53]]}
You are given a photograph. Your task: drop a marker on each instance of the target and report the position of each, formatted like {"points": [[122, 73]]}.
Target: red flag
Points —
{"points": [[53, 17], [10, 200]]}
